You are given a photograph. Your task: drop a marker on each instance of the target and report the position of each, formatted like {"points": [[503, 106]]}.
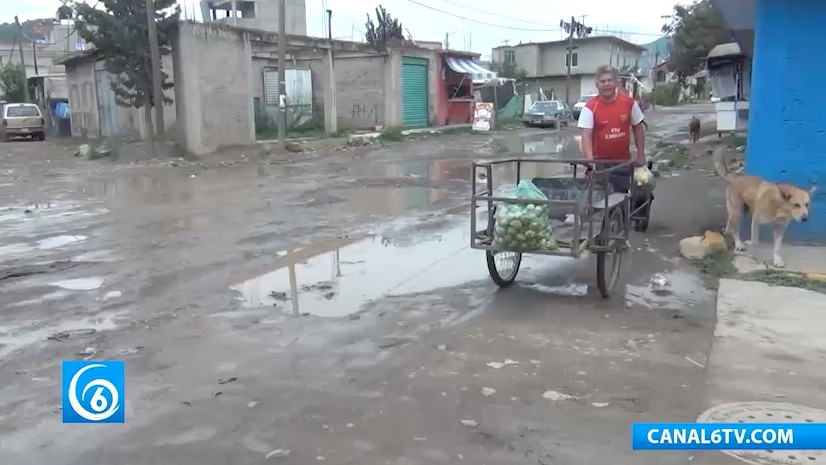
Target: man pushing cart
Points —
{"points": [[567, 215], [606, 123]]}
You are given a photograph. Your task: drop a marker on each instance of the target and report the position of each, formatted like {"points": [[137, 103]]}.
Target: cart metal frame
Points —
{"points": [[600, 242]]}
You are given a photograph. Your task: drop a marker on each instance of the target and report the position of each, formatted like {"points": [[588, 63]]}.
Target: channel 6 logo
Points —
{"points": [[93, 392]]}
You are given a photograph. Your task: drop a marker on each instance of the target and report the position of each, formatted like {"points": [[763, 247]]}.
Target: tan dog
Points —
{"points": [[694, 129], [769, 203]]}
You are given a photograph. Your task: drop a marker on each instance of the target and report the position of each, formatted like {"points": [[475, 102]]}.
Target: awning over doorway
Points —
{"points": [[478, 73]]}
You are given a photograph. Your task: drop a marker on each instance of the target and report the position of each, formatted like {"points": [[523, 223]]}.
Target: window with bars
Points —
{"points": [[510, 56]]}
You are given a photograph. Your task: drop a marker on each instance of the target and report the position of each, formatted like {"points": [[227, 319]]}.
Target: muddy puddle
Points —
{"points": [[16, 337], [564, 144], [336, 277], [79, 284], [38, 219], [675, 290], [385, 200], [15, 249]]}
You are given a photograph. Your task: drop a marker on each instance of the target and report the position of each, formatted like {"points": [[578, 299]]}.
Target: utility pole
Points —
{"points": [[34, 57], [155, 57], [282, 84], [447, 41], [330, 25], [656, 73], [569, 59], [22, 60]]}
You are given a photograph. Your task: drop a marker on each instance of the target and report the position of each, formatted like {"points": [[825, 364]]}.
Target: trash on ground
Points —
{"points": [[499, 365], [659, 281], [486, 391], [556, 395], [228, 380], [470, 423], [277, 453]]}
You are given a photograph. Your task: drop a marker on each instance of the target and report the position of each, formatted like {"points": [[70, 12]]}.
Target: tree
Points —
{"points": [[120, 35], [509, 70], [386, 27], [694, 31], [13, 83]]}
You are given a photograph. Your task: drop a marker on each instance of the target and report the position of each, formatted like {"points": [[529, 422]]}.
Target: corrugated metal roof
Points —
{"points": [[724, 50]]}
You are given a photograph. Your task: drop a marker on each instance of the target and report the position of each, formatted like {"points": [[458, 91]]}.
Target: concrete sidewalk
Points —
{"points": [[766, 365]]}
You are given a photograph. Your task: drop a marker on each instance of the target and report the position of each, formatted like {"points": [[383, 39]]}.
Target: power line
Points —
{"points": [[482, 22], [497, 15]]}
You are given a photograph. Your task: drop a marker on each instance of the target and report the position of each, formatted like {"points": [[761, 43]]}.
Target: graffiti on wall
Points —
{"points": [[368, 113]]}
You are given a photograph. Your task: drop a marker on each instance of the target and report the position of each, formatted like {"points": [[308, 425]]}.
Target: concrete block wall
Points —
{"points": [[360, 97], [214, 90], [359, 80], [393, 85], [787, 130]]}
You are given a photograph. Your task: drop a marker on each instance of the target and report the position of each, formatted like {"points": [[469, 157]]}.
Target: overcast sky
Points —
{"points": [[476, 25]]}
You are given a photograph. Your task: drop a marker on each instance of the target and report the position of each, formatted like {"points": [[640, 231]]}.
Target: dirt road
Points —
{"points": [[330, 307]]}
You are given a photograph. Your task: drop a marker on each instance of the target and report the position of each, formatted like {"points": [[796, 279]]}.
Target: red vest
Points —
{"points": [[612, 127]]}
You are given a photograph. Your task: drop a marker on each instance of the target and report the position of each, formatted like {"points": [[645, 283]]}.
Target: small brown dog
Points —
{"points": [[768, 203], [694, 129]]}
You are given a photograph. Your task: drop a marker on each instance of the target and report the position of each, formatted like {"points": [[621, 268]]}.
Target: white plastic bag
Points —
{"points": [[643, 176]]}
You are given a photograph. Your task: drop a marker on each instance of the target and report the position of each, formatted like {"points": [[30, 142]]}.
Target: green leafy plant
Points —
{"points": [[694, 29], [118, 32], [391, 135], [385, 27], [13, 83]]}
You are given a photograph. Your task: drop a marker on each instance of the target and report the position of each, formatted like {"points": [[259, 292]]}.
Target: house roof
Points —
{"points": [[75, 57], [578, 41], [725, 50], [459, 53]]}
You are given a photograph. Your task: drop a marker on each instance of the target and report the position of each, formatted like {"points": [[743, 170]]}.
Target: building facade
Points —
{"points": [[546, 63], [786, 130], [257, 14]]}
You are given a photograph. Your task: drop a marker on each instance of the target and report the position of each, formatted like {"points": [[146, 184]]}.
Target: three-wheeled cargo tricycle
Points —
{"points": [[588, 213]]}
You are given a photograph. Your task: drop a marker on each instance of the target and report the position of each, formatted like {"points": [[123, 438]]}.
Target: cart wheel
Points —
{"points": [[503, 267], [608, 263]]}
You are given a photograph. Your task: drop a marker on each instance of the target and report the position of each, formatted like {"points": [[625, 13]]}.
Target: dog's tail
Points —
{"points": [[720, 163]]}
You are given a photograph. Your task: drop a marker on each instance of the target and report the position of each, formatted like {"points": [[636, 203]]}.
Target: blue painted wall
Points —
{"points": [[787, 120]]}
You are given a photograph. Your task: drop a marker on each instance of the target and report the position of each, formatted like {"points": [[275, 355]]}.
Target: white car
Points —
{"points": [[580, 104]]}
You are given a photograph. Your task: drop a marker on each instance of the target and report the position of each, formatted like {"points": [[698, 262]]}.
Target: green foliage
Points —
{"points": [[668, 95], [264, 123], [694, 31], [386, 27], [509, 70], [719, 265], [13, 83], [391, 135], [120, 34]]}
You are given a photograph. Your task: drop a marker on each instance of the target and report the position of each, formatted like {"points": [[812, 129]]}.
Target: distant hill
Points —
{"points": [[651, 49], [8, 31]]}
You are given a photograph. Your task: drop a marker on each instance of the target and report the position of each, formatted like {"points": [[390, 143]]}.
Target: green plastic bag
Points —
{"points": [[522, 227]]}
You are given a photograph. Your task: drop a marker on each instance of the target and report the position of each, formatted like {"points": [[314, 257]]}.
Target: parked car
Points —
{"points": [[580, 104], [22, 120], [548, 113]]}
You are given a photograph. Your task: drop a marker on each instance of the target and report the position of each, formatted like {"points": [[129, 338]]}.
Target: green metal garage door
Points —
{"points": [[414, 92]]}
